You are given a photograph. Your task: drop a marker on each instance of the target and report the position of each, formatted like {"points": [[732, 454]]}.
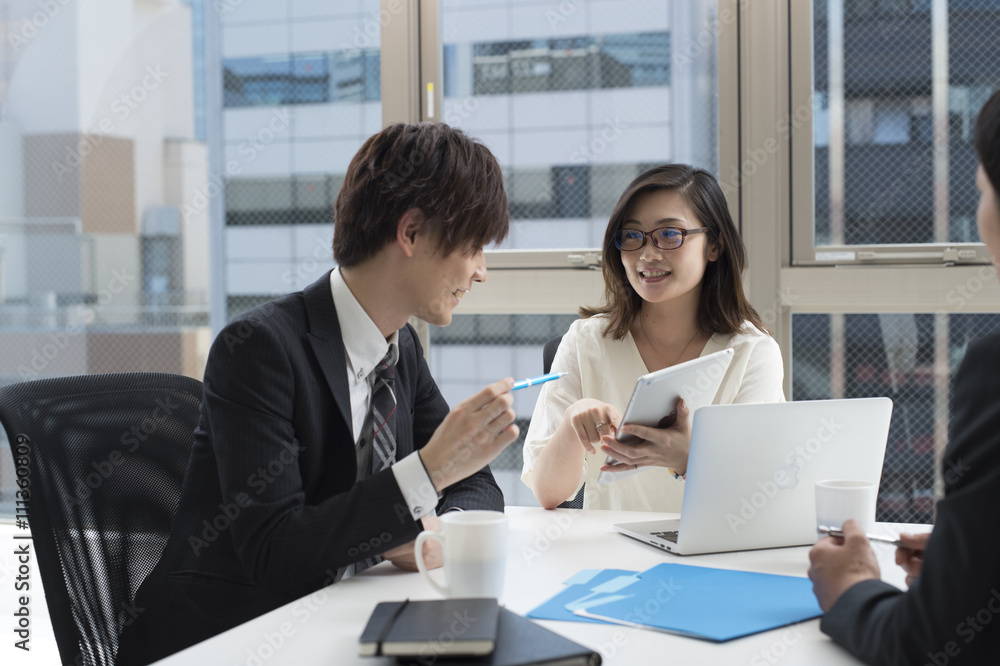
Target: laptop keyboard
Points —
{"points": [[668, 536]]}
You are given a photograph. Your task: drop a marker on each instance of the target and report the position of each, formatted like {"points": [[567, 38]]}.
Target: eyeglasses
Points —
{"points": [[665, 238]]}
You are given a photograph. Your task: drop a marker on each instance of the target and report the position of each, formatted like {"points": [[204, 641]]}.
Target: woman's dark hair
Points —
{"points": [[724, 307], [988, 139], [454, 180]]}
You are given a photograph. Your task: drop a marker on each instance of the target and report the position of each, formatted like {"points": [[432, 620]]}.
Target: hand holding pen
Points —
{"points": [[838, 533]]}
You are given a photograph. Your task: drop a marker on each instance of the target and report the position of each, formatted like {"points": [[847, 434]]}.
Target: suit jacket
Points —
{"points": [[951, 613], [270, 507]]}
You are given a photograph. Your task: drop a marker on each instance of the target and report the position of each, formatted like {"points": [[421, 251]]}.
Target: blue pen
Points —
{"points": [[541, 379]]}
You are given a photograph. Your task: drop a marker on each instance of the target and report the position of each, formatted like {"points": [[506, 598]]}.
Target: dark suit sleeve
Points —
{"points": [[943, 617], [479, 491], [285, 543]]}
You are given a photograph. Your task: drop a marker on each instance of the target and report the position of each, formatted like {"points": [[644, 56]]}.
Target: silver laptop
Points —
{"points": [[753, 468]]}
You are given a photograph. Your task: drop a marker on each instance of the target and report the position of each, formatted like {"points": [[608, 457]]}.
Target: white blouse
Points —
{"points": [[606, 369]]}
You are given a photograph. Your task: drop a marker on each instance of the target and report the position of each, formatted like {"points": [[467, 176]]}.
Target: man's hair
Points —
{"points": [[724, 307], [988, 139], [454, 180]]}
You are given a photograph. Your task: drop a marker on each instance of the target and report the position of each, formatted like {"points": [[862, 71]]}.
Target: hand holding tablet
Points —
{"points": [[655, 397]]}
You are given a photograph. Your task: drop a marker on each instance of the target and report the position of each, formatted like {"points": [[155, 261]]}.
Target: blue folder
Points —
{"points": [[713, 604], [583, 588]]}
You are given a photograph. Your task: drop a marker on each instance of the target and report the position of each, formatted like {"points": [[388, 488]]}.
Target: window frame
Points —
{"points": [[800, 117]]}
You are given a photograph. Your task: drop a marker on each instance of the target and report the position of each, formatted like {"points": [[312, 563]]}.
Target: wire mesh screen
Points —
{"points": [[910, 358], [897, 89], [104, 194], [476, 350], [295, 110], [577, 99]]}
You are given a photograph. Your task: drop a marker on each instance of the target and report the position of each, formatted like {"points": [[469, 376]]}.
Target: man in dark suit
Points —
{"points": [[951, 613], [296, 480]]}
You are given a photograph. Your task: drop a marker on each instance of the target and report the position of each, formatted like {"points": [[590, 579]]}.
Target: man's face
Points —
{"points": [[442, 281], [988, 214]]}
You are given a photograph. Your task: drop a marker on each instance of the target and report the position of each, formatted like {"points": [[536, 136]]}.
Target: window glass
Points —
{"points": [[912, 359], [891, 164]]}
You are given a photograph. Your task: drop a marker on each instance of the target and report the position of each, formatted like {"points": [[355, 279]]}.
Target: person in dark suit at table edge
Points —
{"points": [[951, 612], [289, 486]]}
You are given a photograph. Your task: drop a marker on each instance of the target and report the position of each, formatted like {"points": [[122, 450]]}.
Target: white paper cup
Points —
{"points": [[838, 500], [474, 549]]}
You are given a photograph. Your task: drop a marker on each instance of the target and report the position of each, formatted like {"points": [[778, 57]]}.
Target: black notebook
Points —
{"points": [[521, 642], [431, 629]]}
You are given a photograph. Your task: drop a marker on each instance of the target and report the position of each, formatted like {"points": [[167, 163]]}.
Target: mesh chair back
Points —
{"points": [[104, 457]]}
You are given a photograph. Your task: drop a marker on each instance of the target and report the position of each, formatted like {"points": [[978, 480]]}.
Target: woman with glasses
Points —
{"points": [[673, 263]]}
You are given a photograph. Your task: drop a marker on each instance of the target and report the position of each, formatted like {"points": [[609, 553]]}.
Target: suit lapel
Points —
{"points": [[327, 343]]}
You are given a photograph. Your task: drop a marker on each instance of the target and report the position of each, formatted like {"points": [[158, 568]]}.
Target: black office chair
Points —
{"points": [[548, 354], [104, 457]]}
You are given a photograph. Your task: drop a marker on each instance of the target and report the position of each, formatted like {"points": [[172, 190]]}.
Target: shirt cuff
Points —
{"points": [[415, 484]]}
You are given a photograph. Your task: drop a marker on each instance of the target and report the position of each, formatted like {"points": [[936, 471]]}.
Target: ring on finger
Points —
{"points": [[599, 425]]}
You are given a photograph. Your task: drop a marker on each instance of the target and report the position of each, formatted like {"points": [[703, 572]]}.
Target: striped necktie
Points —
{"points": [[379, 429], [381, 415]]}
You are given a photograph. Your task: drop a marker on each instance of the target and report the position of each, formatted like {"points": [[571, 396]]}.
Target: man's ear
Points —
{"points": [[410, 225]]}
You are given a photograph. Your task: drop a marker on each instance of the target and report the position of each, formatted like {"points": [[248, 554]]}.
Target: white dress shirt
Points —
{"points": [[364, 347], [606, 369]]}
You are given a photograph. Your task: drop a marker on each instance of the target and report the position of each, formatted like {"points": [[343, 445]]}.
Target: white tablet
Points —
{"points": [[654, 399]]}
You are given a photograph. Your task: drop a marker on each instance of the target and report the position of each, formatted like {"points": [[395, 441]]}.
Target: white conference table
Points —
{"points": [[544, 548]]}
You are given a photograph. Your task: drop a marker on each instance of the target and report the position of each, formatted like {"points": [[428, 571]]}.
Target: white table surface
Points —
{"points": [[544, 548]]}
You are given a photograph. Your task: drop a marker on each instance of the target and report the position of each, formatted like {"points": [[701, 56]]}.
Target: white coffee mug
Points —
{"points": [[838, 500], [474, 549]]}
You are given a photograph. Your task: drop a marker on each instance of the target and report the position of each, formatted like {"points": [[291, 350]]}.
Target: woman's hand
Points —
{"points": [[591, 419], [658, 447]]}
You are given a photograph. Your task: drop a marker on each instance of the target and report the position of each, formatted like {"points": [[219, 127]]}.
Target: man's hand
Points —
{"points": [[405, 557], [472, 435], [838, 563], [912, 558]]}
